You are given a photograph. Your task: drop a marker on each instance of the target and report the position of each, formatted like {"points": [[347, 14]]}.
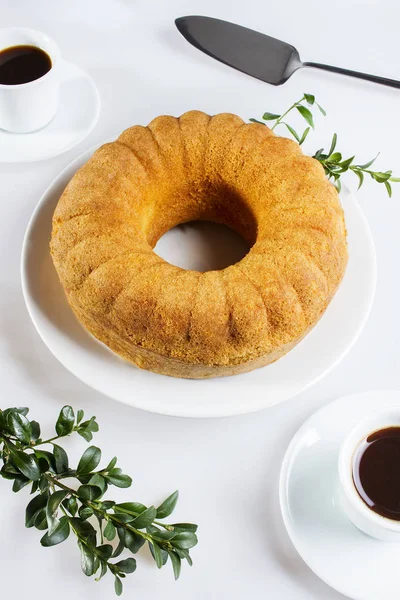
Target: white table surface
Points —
{"points": [[225, 469]]}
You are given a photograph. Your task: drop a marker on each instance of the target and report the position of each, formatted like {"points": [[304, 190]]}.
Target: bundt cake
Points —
{"points": [[186, 323]]}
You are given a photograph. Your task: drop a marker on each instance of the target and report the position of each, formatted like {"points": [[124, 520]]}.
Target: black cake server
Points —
{"points": [[254, 53]]}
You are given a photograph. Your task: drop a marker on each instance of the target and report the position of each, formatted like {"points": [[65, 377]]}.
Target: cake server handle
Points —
{"points": [[374, 78]]}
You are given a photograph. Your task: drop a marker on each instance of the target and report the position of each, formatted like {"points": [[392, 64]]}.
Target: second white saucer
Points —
{"points": [[77, 114], [351, 562]]}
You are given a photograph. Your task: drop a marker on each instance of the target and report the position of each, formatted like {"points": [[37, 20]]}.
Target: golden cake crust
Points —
{"points": [[186, 323]]}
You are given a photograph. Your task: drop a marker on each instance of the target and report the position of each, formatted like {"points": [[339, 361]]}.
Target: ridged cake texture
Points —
{"points": [[186, 323]]}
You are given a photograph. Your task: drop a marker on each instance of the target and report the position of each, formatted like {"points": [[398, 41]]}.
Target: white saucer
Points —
{"points": [[349, 561], [99, 368], [76, 116]]}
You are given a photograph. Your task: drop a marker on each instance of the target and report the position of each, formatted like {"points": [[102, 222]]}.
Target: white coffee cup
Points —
{"points": [[355, 508], [30, 106]]}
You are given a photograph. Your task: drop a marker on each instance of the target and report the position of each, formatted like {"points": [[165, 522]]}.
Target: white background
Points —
{"points": [[225, 469]]}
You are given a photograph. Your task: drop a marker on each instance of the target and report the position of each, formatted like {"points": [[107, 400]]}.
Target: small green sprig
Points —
{"points": [[59, 507], [332, 161], [334, 166], [305, 112]]}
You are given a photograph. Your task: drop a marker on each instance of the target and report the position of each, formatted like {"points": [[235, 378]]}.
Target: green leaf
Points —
{"points": [[84, 529], [185, 527], [105, 550], [117, 478], [184, 554], [161, 536], [9, 476], [84, 478], [86, 434], [79, 416], [185, 540], [91, 424], [267, 116], [310, 99], [85, 512], [27, 464], [96, 563], [168, 506], [176, 563], [389, 188], [61, 459], [10, 469], [381, 177], [133, 508], [333, 145], [71, 505], [53, 503], [107, 504], [336, 157], [98, 481], [118, 586], [293, 132], [22, 410], [305, 134], [131, 540], [35, 487], [87, 559], [19, 483], [89, 492], [89, 461], [306, 114], [118, 550], [338, 185], [256, 121], [111, 464], [19, 426], [43, 484], [65, 421], [360, 176], [322, 110], [59, 535], [157, 554], [124, 517], [145, 518], [110, 531], [41, 521], [346, 163], [48, 457], [100, 520], [319, 154], [395, 179], [35, 431], [87, 428], [103, 571], [43, 465], [368, 164], [127, 566]]}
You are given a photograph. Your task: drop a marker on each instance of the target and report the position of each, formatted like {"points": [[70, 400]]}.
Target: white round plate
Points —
{"points": [[98, 367], [351, 562], [77, 114]]}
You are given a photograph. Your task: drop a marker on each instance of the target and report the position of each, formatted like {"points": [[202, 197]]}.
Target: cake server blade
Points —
{"points": [[254, 53]]}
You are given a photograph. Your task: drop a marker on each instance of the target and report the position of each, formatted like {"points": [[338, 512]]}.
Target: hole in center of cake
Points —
{"points": [[202, 246]]}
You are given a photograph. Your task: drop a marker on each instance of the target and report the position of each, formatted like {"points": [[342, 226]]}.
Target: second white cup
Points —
{"points": [[27, 107], [363, 517]]}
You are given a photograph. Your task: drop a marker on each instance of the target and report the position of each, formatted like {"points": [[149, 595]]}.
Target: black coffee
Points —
{"points": [[376, 472], [21, 64]]}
